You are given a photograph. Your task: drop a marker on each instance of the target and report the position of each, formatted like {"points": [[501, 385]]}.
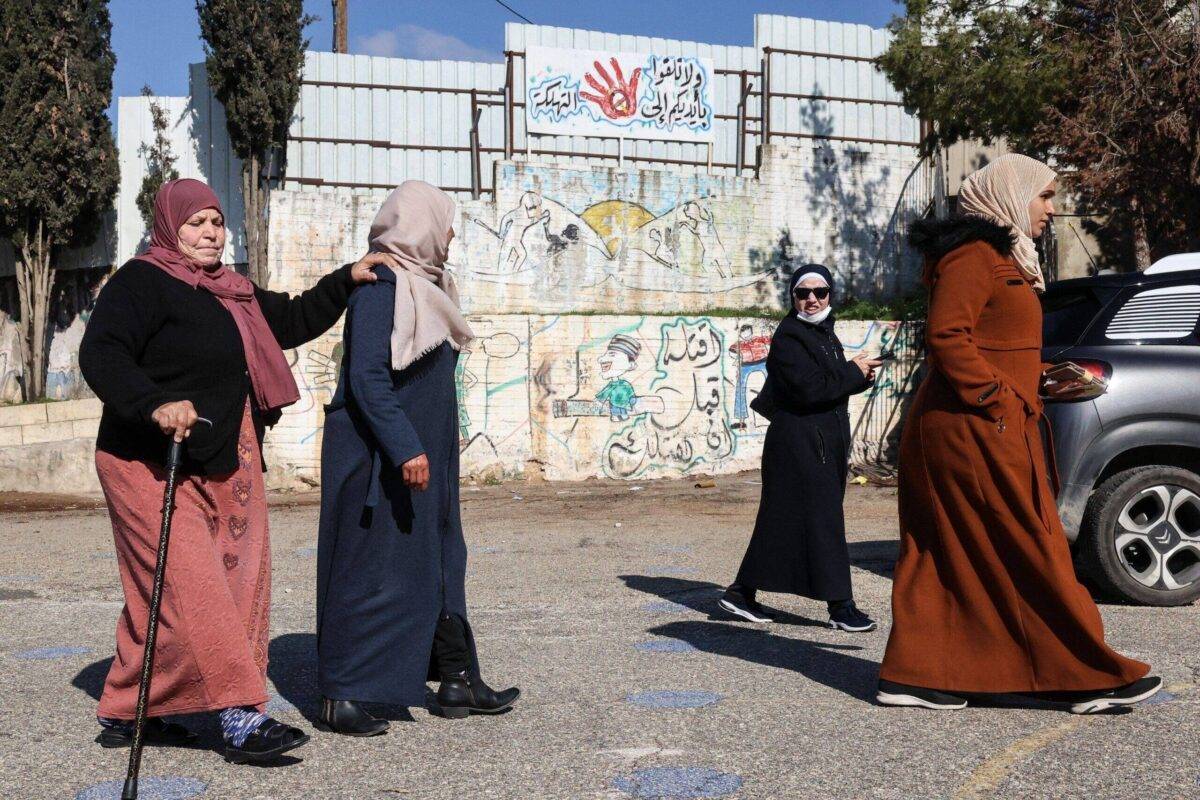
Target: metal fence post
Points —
{"points": [[740, 161], [508, 105], [475, 170], [766, 96]]}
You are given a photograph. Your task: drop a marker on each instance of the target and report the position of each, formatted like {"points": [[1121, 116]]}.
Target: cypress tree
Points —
{"points": [[58, 161], [255, 52]]}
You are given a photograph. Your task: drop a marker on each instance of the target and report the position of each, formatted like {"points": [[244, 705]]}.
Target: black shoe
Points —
{"points": [[847, 617], [898, 694], [350, 719], [1125, 695], [461, 695], [737, 603], [269, 741], [156, 732]]}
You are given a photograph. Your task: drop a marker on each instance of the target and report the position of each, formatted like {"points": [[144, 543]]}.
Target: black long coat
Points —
{"points": [[389, 560], [799, 541]]}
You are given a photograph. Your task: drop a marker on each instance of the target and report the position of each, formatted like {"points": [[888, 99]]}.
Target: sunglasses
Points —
{"points": [[802, 292]]}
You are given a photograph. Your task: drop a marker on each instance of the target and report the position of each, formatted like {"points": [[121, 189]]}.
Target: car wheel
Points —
{"points": [[1140, 538]]}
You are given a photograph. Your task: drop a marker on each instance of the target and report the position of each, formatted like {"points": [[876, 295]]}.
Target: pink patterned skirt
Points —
{"points": [[213, 634]]}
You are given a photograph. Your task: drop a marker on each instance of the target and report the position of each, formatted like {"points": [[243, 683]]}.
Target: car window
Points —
{"points": [[1167, 313], [1067, 312]]}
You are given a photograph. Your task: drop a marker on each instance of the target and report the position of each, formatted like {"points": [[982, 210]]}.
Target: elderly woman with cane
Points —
{"points": [[391, 559], [799, 540], [177, 336], [985, 599]]}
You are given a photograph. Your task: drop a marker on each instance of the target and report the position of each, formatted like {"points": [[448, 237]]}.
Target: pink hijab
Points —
{"points": [[176, 201], [413, 224]]}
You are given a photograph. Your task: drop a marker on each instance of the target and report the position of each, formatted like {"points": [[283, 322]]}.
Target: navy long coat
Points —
{"points": [[389, 559], [799, 541]]}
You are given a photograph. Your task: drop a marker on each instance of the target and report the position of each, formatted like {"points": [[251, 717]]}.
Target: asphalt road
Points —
{"points": [[598, 600]]}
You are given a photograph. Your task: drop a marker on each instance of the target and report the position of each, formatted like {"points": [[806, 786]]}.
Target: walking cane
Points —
{"points": [[174, 456]]}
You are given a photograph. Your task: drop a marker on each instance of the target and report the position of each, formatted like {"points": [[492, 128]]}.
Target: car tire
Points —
{"points": [[1098, 558]]}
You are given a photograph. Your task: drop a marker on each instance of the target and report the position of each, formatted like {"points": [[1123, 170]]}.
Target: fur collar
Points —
{"points": [[935, 238]]}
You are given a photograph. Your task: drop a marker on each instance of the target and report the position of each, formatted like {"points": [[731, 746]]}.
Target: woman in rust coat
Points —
{"points": [[985, 598]]}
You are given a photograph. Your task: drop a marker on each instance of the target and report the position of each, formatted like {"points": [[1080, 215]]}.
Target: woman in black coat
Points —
{"points": [[799, 541]]}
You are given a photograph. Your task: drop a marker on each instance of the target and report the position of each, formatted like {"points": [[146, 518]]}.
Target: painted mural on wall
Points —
{"points": [[649, 397], [577, 397], [555, 238], [620, 245], [634, 95]]}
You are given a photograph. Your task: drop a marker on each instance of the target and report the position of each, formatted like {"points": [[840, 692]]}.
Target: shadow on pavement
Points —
{"points": [[293, 670], [702, 596], [822, 662], [90, 679], [877, 556]]}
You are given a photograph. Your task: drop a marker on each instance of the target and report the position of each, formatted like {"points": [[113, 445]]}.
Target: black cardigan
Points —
{"points": [[153, 339], [808, 374]]}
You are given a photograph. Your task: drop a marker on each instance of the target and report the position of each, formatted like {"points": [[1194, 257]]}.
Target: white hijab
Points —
{"points": [[1002, 192], [820, 316], [413, 224]]}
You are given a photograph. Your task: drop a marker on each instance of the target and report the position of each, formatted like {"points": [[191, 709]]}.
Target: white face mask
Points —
{"points": [[817, 318]]}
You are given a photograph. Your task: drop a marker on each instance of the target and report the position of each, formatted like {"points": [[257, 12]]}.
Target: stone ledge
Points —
{"points": [[25, 414], [69, 410]]}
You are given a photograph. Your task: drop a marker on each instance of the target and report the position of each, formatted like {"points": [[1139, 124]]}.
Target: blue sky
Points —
{"points": [[155, 40]]}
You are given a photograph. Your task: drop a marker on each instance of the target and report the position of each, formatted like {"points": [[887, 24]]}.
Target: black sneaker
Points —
{"points": [[747, 608], [847, 617], [1125, 695], [898, 694]]}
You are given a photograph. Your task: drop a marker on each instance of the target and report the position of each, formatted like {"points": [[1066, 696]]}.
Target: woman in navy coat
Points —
{"points": [[391, 561]]}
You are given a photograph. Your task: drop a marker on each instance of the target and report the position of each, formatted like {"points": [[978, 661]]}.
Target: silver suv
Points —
{"points": [[1129, 461]]}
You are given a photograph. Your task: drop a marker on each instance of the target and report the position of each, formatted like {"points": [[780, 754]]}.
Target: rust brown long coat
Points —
{"points": [[985, 597]]}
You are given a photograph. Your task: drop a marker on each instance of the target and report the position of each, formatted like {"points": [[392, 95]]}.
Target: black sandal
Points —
{"points": [[156, 732], [269, 740]]}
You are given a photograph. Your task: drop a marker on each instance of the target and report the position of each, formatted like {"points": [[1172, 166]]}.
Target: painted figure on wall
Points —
{"points": [[617, 400], [619, 360], [698, 220], [750, 352], [521, 230]]}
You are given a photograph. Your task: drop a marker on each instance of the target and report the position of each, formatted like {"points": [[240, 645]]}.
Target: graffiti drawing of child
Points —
{"points": [[751, 353], [618, 360]]}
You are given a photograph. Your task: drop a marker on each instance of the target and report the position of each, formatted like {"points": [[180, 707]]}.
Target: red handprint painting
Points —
{"points": [[618, 98]]}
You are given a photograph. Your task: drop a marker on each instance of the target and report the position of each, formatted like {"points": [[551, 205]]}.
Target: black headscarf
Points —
{"points": [[809, 269]]}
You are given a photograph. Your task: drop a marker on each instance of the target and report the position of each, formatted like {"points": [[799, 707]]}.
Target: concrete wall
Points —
{"points": [[528, 396], [577, 279], [48, 447], [596, 239], [528, 403], [542, 268]]}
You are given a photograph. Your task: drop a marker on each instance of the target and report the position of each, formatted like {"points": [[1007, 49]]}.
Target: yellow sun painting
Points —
{"points": [[614, 219]]}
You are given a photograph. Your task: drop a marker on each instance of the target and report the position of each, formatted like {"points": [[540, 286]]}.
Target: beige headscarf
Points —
{"points": [[1002, 192], [413, 224]]}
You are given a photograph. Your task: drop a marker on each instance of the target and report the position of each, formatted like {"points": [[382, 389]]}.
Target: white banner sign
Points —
{"points": [[634, 95]]}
